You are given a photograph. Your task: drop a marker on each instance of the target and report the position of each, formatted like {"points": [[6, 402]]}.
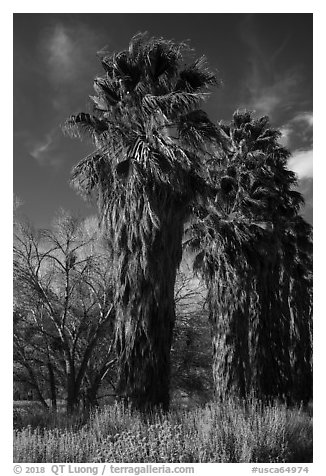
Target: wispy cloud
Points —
{"points": [[45, 151], [63, 55], [279, 94], [266, 90], [68, 52], [304, 117], [298, 131], [40, 148], [67, 49]]}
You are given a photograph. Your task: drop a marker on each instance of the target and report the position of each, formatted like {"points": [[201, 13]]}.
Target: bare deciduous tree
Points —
{"points": [[63, 310]]}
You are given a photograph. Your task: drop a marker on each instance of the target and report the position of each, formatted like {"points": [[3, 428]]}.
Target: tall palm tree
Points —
{"points": [[146, 172], [254, 251]]}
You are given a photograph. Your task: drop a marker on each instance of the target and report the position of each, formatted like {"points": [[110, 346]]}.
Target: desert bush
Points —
{"points": [[232, 431]]}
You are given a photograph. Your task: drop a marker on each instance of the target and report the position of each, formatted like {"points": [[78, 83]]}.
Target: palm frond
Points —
{"points": [[197, 129], [108, 92], [79, 124], [196, 77], [163, 57], [136, 45], [172, 104], [88, 174], [100, 103]]}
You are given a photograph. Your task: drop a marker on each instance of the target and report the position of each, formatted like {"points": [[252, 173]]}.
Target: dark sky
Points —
{"points": [[264, 60]]}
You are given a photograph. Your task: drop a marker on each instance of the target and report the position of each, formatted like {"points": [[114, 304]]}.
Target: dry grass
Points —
{"points": [[239, 432]]}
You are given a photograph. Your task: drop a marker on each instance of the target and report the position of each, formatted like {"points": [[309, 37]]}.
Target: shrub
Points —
{"points": [[232, 431]]}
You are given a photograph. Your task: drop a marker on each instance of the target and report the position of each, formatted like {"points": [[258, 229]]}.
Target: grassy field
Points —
{"points": [[237, 432]]}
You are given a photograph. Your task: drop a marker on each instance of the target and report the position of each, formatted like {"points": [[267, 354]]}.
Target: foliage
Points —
{"points": [[235, 431], [145, 173]]}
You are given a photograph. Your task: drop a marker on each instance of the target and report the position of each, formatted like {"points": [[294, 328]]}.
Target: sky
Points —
{"points": [[263, 60]]}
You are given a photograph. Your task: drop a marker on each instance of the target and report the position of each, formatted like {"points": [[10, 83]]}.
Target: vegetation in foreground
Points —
{"points": [[229, 432]]}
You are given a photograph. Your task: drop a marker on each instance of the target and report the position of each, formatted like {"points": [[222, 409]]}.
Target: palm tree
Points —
{"points": [[146, 172], [254, 252]]}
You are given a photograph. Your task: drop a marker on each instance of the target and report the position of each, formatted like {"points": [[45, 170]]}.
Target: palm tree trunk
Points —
{"points": [[146, 262], [144, 351], [229, 316], [271, 333], [301, 340]]}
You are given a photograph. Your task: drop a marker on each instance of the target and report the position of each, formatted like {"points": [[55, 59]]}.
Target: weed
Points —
{"points": [[232, 431]]}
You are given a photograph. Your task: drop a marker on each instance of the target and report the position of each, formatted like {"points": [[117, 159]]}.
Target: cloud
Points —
{"points": [[301, 163], [68, 58], [297, 133], [40, 148], [265, 90], [286, 132], [45, 151], [280, 94], [67, 49], [304, 117], [63, 55]]}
